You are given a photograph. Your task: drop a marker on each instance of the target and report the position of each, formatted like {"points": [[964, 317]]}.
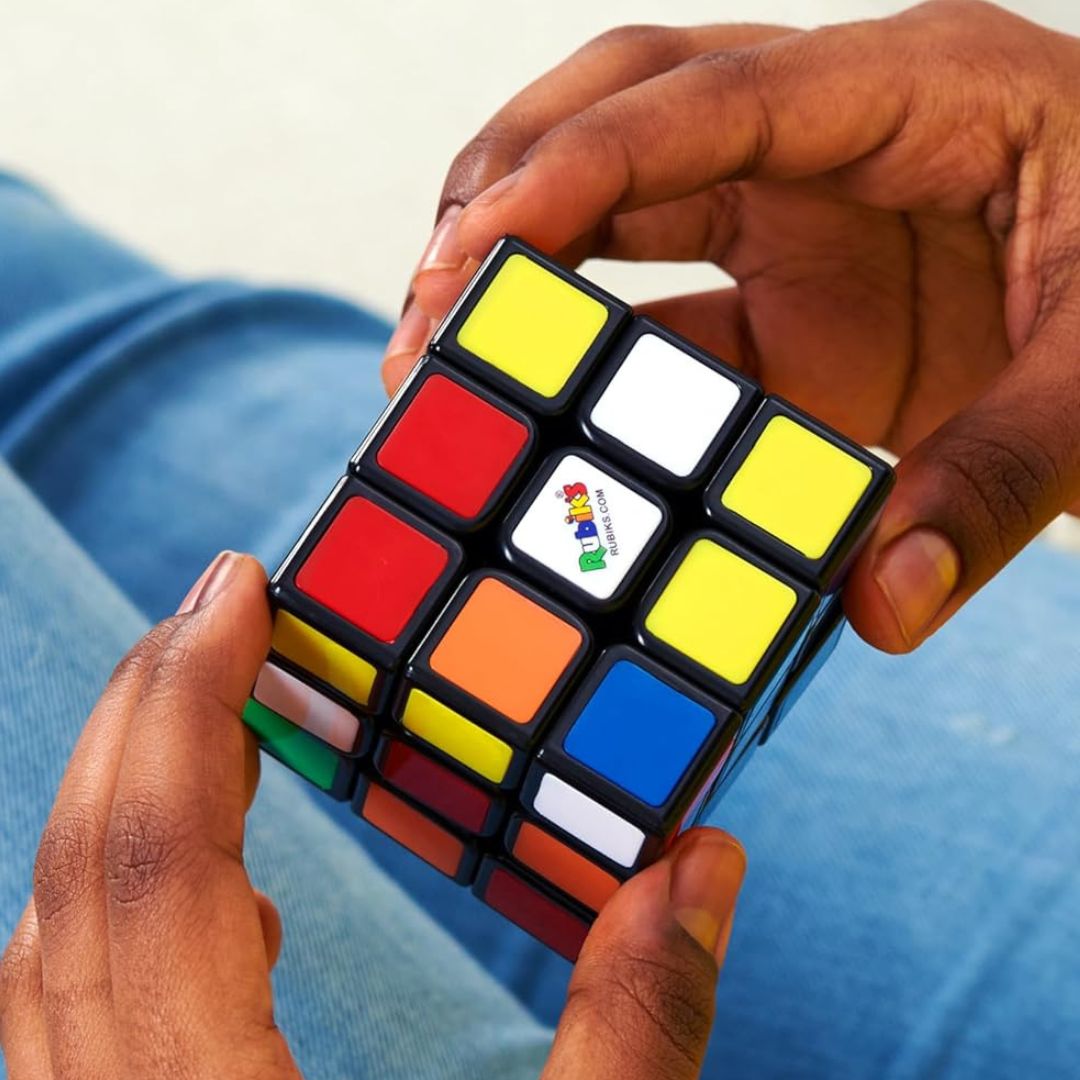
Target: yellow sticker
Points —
{"points": [[463, 740], [721, 611], [797, 486], [532, 325], [326, 659]]}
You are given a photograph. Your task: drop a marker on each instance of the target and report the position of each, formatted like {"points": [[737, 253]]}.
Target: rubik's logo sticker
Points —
{"points": [[583, 516]]}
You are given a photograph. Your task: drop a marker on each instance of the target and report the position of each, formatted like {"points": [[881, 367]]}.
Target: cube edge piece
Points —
{"points": [[650, 471], [827, 572], [444, 340]]}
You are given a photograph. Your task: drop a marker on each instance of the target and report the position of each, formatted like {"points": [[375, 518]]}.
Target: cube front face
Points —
{"points": [[579, 571]]}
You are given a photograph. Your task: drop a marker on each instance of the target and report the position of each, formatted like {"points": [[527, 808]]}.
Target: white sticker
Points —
{"points": [[286, 695], [587, 527], [665, 404], [586, 819]]}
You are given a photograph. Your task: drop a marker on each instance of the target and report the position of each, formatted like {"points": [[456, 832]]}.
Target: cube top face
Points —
{"points": [[367, 573], [586, 529], [504, 647], [723, 615], [528, 327], [798, 492], [447, 447], [668, 406]]}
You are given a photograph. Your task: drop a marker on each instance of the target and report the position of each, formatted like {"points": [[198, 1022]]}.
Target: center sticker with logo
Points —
{"points": [[587, 527]]}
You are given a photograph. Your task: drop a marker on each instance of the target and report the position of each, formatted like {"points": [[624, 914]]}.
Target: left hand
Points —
{"points": [[145, 951]]}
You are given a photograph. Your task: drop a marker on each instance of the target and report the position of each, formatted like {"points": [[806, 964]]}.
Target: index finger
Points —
{"points": [[796, 106], [189, 969]]}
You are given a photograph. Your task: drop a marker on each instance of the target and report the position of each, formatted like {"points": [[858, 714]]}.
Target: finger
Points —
{"points": [[23, 1035], [188, 956], [767, 111], [640, 1002], [973, 493], [69, 876], [612, 62]]}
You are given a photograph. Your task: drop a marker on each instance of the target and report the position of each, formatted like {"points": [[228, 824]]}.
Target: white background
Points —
{"points": [[305, 142]]}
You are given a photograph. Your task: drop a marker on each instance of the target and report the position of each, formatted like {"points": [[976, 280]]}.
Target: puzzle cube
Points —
{"points": [[578, 571]]}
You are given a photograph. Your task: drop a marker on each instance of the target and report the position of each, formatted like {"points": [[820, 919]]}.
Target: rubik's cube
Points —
{"points": [[577, 572]]}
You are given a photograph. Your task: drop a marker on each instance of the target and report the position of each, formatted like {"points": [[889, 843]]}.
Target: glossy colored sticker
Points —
{"points": [[506, 650], [564, 867], [797, 486], [721, 611], [455, 736], [639, 732], [452, 446], [666, 404], [372, 569], [539, 915], [532, 325], [411, 829], [325, 659]]}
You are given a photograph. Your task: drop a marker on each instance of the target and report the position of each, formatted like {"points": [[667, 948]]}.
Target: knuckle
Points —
{"points": [[64, 866], [1006, 480], [663, 997], [642, 39], [142, 656], [143, 849], [491, 151]]}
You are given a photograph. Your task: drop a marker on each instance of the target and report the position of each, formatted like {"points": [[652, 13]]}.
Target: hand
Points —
{"points": [[640, 1002], [899, 204], [145, 951]]}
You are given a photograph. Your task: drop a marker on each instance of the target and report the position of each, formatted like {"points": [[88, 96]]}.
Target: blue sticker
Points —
{"points": [[639, 732]]}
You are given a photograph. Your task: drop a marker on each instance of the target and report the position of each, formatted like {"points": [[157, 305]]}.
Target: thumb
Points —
{"points": [[640, 1003], [972, 494]]}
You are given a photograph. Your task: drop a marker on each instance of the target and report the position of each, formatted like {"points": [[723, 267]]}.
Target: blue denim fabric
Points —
{"points": [[912, 906]]}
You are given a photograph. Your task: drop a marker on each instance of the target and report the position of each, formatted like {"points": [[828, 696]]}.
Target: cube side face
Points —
{"points": [[406, 767], [448, 448], [800, 493], [667, 408], [535, 907], [515, 655], [439, 845], [303, 753], [529, 327]]}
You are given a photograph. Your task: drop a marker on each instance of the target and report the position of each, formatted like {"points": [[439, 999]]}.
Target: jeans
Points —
{"points": [[912, 906]]}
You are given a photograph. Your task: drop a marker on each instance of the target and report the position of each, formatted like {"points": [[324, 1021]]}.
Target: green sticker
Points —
{"points": [[293, 746]]}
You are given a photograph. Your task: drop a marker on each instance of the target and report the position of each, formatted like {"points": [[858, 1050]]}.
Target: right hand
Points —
{"points": [[898, 202]]}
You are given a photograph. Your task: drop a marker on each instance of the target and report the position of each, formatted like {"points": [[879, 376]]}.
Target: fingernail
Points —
{"points": [[210, 583], [411, 336], [705, 882], [443, 252], [917, 573], [491, 195]]}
